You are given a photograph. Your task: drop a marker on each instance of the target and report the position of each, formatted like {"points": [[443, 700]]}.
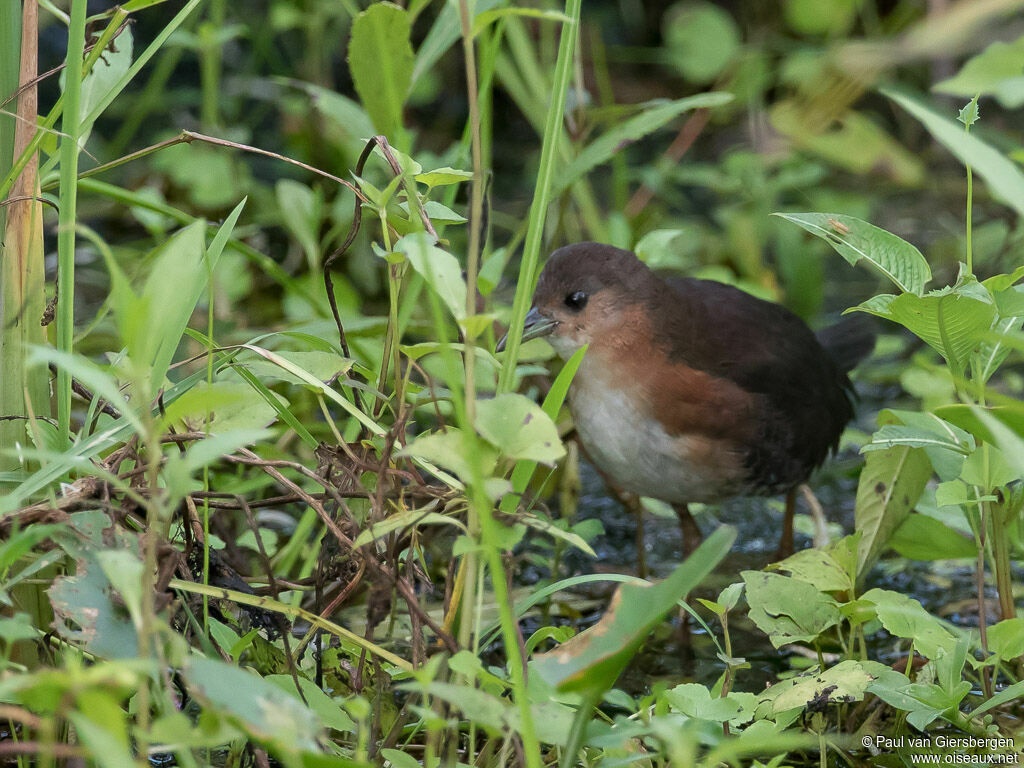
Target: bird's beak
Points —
{"points": [[535, 326]]}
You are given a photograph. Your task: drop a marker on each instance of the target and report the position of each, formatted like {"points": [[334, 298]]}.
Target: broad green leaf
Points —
{"points": [[329, 711], [819, 567], [552, 405], [700, 39], [655, 114], [123, 570], [946, 444], [254, 704], [439, 269], [448, 449], [997, 71], [952, 321], [442, 177], [788, 610], [856, 240], [380, 59], [591, 661], [224, 405], [846, 681], [105, 75], [924, 538], [518, 428], [174, 286], [17, 627], [890, 485], [903, 616], [695, 700], [1006, 639], [437, 213], [83, 607], [1004, 178]]}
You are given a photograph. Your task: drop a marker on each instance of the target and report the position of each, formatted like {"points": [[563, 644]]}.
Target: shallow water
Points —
{"points": [[675, 655]]}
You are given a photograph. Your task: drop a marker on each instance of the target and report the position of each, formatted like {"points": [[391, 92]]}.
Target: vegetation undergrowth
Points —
{"points": [[269, 493]]}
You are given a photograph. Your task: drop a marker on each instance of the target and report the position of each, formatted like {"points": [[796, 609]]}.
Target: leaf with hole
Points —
{"points": [[856, 240]]}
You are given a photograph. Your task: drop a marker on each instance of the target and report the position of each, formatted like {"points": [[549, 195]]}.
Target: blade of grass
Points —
{"points": [[69, 150], [541, 194]]}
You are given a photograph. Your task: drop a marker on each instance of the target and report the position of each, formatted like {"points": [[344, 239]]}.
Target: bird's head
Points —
{"points": [[586, 293]]}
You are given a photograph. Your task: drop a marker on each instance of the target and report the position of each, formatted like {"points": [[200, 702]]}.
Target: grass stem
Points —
{"points": [[69, 151]]}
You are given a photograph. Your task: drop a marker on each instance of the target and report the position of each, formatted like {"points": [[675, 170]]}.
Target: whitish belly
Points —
{"points": [[636, 453]]}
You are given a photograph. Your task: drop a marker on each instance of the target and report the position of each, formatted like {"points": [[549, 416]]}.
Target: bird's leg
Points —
{"points": [[786, 541], [821, 537], [692, 537], [641, 547]]}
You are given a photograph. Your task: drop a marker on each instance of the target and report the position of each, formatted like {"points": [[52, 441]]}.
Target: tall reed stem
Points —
{"points": [[541, 193], [69, 150]]}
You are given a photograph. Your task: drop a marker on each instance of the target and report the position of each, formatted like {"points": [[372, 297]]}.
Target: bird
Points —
{"points": [[691, 390]]}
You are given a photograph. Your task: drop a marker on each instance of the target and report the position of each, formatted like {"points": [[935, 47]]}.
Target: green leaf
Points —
{"points": [[969, 113], [323, 366], [818, 567], [854, 240], [924, 538], [1010, 693], [518, 428], [694, 700], [1006, 638], [329, 711], [437, 213], [380, 59], [1004, 178], [654, 115], [403, 520], [890, 485], [591, 661], [228, 404], [903, 616], [946, 444], [442, 177], [953, 321], [448, 449], [700, 40], [997, 71], [846, 681], [788, 610], [439, 269], [254, 704], [104, 77], [552, 404], [84, 610]]}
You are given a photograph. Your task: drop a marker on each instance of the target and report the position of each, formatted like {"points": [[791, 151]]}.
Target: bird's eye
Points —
{"points": [[576, 301]]}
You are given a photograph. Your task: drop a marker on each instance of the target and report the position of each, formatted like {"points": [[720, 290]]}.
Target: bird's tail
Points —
{"points": [[849, 341]]}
